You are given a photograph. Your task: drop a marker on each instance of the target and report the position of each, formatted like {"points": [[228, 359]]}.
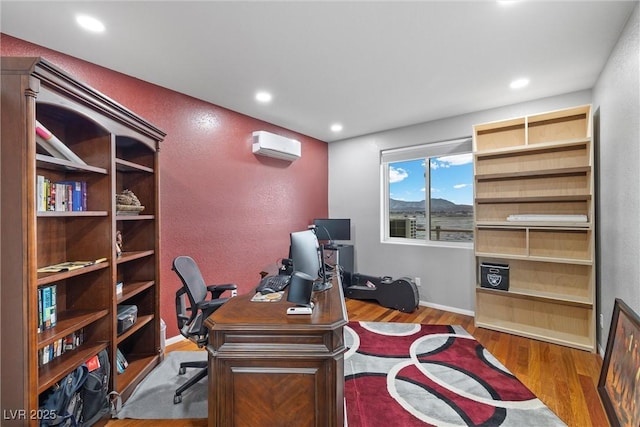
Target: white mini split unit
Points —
{"points": [[272, 145]]}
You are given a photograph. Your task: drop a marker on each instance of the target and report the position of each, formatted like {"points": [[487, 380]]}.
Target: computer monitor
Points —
{"points": [[332, 229], [300, 289], [305, 253]]}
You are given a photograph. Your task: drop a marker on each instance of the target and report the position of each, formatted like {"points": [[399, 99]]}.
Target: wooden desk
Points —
{"points": [[267, 368]]}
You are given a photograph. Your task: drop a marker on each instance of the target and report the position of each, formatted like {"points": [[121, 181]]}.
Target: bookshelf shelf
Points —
{"points": [[541, 224], [580, 170], [140, 323], [48, 278], [134, 217], [526, 148], [502, 255], [532, 199], [530, 171], [111, 149], [61, 366], [69, 322], [138, 368], [133, 288], [125, 166], [68, 214], [131, 256], [48, 162], [557, 298]]}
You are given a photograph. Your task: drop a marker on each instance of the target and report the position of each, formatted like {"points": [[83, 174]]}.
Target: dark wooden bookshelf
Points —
{"points": [[118, 150]]}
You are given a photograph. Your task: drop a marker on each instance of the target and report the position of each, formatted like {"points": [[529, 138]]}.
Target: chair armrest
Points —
{"points": [[217, 290], [225, 287], [211, 305]]}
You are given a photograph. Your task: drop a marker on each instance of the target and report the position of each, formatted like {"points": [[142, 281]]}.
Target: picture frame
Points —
{"points": [[619, 383]]}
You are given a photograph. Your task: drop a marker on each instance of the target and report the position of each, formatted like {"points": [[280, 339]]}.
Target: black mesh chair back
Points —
{"points": [[192, 308], [191, 277]]}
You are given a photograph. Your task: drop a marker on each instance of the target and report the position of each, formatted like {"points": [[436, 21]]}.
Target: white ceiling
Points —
{"points": [[368, 65]]}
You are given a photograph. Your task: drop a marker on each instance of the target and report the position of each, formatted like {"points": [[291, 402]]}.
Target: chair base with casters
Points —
{"points": [[192, 307], [202, 365]]}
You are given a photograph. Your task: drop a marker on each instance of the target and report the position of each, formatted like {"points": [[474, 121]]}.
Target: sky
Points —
{"points": [[451, 179]]}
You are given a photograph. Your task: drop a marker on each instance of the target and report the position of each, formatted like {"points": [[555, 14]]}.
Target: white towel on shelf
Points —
{"points": [[548, 218]]}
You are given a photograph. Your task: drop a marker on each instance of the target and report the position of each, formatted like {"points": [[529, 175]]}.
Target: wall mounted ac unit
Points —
{"points": [[272, 145]]}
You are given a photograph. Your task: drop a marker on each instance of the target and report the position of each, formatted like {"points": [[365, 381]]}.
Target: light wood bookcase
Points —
{"points": [[120, 150], [539, 168]]}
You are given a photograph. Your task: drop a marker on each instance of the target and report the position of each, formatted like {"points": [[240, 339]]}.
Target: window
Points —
{"points": [[428, 204]]}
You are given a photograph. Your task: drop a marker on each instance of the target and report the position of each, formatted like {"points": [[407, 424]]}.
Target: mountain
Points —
{"points": [[437, 205]]}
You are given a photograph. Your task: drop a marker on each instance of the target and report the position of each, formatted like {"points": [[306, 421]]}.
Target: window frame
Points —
{"points": [[462, 145]]}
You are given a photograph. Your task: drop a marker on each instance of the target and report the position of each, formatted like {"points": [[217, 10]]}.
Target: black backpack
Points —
{"points": [[81, 398], [62, 402], [95, 392]]}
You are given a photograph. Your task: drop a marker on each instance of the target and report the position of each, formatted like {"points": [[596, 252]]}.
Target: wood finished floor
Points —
{"points": [[563, 378]]}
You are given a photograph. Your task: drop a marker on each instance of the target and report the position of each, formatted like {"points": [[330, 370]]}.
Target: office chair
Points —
{"points": [[191, 315]]}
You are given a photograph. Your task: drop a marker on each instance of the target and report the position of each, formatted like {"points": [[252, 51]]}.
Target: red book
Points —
{"points": [[93, 363]]}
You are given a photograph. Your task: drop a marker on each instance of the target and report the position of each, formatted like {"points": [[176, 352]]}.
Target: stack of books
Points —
{"points": [[60, 346], [46, 307], [60, 196], [121, 361]]}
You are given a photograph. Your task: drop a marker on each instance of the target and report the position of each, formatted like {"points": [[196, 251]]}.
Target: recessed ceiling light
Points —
{"points": [[336, 127], [263, 97], [89, 23], [519, 83]]}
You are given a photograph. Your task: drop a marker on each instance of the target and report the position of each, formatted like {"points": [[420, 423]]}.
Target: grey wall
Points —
{"points": [[447, 274], [617, 95]]}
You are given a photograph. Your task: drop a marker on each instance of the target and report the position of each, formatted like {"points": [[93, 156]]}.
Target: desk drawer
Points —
{"points": [[277, 343]]}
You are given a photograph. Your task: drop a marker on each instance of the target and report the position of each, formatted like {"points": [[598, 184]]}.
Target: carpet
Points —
{"points": [[396, 374], [400, 374], [153, 397]]}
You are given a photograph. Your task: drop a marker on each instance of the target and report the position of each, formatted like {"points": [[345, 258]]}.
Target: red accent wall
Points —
{"points": [[230, 210]]}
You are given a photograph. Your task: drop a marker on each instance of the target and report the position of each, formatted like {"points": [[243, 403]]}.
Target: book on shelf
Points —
{"points": [[69, 266], [60, 196], [53, 308], [121, 361], [93, 363], [53, 146], [73, 340], [60, 346], [119, 287], [41, 198], [76, 195], [47, 307], [39, 310]]}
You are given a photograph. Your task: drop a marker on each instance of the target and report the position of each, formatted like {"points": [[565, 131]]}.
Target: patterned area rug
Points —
{"points": [[401, 374]]}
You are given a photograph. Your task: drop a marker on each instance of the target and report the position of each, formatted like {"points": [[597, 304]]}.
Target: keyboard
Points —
{"points": [[269, 284]]}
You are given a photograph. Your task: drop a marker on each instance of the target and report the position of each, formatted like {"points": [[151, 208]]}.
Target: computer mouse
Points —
{"points": [[267, 291]]}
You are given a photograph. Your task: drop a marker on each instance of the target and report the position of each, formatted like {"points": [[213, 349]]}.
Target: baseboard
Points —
{"points": [[174, 340], [447, 308]]}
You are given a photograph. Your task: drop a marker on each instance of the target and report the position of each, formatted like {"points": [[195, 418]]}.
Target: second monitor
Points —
{"points": [[306, 256], [332, 229]]}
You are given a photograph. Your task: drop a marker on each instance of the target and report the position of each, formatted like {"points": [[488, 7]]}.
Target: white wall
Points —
{"points": [[447, 274], [617, 95]]}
